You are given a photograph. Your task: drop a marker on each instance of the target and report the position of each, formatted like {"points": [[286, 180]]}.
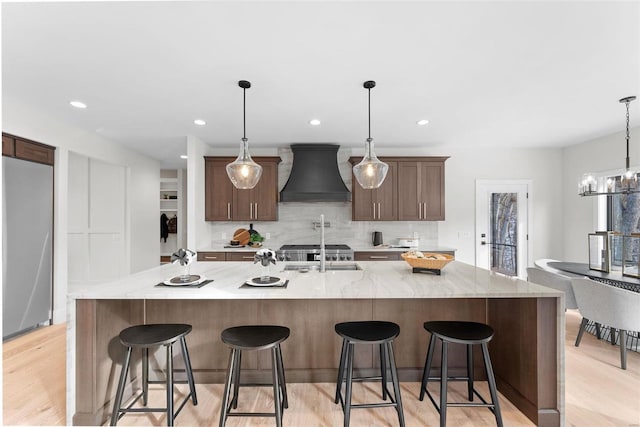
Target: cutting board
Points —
{"points": [[241, 235]]}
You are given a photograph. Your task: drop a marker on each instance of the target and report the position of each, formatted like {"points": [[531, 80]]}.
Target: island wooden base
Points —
{"points": [[525, 350]]}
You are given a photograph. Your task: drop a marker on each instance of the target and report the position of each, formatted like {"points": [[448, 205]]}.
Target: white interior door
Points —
{"points": [[502, 226], [97, 226]]}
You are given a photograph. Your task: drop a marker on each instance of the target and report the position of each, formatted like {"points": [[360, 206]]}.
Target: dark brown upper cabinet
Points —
{"points": [[224, 202], [14, 146], [412, 191]]}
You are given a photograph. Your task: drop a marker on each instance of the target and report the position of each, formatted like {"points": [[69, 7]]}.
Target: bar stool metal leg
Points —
{"points": [[383, 370], [169, 385], [145, 376], [187, 364], [623, 349], [470, 371], [340, 379], [276, 387], [224, 409], [427, 367], [115, 414], [443, 385], [396, 383], [283, 382], [492, 384], [347, 397], [236, 380]]}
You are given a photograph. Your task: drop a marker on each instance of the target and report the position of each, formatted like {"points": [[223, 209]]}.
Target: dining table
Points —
{"points": [[613, 278]]}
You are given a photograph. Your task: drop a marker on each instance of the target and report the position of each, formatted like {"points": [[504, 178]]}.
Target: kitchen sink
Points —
{"points": [[303, 268]]}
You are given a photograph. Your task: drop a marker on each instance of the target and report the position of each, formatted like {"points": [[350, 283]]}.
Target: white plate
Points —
{"points": [[199, 279], [281, 282]]}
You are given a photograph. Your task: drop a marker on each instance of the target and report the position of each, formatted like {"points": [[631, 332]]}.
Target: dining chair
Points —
{"points": [[608, 305], [555, 281]]}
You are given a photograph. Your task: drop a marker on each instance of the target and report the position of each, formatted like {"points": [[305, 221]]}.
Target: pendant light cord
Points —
{"points": [[627, 133], [369, 90], [244, 113]]}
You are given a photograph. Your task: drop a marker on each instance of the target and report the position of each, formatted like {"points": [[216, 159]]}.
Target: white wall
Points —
{"points": [[143, 177], [596, 156]]}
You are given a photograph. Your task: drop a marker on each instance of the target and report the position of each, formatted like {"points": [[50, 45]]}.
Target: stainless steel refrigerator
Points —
{"points": [[27, 234]]}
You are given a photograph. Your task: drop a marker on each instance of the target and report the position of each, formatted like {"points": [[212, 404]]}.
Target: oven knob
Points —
{"points": [[335, 258], [287, 258], [348, 257], [342, 258]]}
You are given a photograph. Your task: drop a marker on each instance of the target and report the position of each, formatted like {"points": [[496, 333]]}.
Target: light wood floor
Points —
{"points": [[598, 392]]}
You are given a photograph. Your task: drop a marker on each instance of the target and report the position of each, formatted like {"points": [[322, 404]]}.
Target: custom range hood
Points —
{"points": [[314, 175]]}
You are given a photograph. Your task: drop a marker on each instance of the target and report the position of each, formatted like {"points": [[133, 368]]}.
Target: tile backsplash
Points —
{"points": [[295, 219], [295, 225]]}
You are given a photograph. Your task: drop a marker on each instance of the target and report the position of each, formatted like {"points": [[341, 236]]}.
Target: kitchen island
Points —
{"points": [[527, 350]]}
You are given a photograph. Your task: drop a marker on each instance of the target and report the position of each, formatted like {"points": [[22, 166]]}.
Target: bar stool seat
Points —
{"points": [[254, 338], [469, 334], [145, 337], [368, 332]]}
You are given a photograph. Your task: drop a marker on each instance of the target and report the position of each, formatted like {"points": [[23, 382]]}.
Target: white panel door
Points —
{"points": [[97, 221]]}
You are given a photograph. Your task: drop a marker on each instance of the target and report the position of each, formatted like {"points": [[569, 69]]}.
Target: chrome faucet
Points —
{"points": [[323, 256]]}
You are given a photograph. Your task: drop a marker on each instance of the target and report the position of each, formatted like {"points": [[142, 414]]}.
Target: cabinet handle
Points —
{"points": [[379, 210], [374, 210], [424, 216], [419, 210], [378, 257], [247, 257], [229, 210], [256, 211], [210, 257]]}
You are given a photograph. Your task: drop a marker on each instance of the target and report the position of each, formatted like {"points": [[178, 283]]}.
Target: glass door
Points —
{"points": [[502, 226]]}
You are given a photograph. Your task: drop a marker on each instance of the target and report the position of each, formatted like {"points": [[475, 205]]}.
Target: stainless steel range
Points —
{"points": [[312, 253]]}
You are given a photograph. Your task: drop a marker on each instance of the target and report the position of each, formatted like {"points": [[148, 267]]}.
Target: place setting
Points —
{"points": [[265, 257], [186, 280]]}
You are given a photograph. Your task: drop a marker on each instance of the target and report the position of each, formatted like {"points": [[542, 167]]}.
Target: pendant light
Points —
{"points": [[243, 172], [626, 183], [370, 172]]}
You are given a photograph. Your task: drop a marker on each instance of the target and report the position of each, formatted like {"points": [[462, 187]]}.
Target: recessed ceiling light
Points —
{"points": [[422, 122], [199, 122], [184, 156], [314, 122], [78, 104]]}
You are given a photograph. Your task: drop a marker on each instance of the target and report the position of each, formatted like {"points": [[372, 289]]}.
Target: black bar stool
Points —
{"points": [[252, 338], [368, 332], [467, 333], [144, 337]]}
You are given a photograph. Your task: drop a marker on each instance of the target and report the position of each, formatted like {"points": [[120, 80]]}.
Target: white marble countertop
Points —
{"points": [[356, 248], [390, 279]]}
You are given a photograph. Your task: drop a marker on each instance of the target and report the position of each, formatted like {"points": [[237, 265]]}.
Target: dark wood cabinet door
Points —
{"points": [[409, 191], [265, 194], [362, 207], [212, 256], [261, 202], [377, 256], [8, 146], [386, 196], [375, 205], [240, 256], [218, 192], [432, 190]]}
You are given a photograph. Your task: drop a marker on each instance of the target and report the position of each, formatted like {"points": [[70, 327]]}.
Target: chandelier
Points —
{"points": [[623, 184]]}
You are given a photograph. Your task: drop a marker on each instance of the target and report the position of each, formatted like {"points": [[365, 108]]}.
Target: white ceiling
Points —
{"points": [[516, 74]]}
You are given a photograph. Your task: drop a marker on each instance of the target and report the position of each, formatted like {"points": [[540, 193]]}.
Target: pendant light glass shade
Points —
{"points": [[370, 172], [622, 184], [243, 172]]}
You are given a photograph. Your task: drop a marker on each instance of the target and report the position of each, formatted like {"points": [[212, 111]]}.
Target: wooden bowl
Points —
{"points": [[431, 260]]}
